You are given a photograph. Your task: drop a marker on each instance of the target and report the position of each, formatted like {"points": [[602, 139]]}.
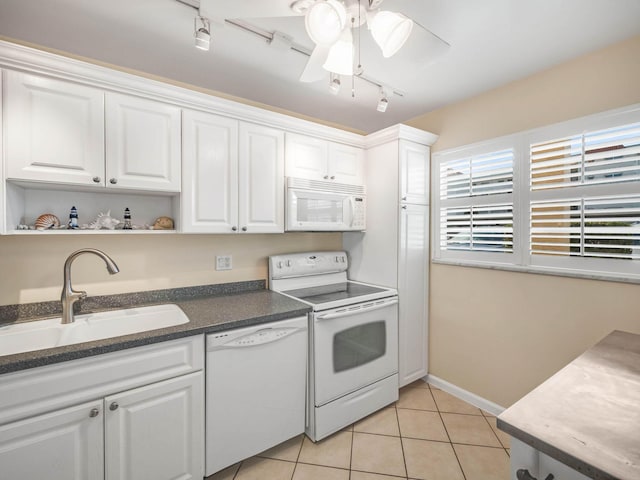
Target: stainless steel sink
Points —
{"points": [[38, 335]]}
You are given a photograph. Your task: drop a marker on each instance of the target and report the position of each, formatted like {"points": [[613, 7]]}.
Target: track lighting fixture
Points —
{"points": [[202, 32], [334, 83], [383, 101]]}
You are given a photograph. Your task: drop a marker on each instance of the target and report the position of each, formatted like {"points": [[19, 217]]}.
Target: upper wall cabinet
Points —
{"points": [[232, 176], [414, 173], [142, 144], [315, 159], [55, 132]]}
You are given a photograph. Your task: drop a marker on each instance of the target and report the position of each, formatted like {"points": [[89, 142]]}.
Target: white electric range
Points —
{"points": [[353, 332]]}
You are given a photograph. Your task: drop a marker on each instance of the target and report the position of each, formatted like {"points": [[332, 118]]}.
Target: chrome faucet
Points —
{"points": [[69, 295]]}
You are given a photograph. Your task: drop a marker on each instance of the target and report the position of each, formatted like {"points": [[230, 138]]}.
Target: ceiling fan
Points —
{"points": [[331, 24]]}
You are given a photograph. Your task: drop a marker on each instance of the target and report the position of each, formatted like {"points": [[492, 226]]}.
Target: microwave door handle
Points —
{"points": [[356, 311], [353, 211]]}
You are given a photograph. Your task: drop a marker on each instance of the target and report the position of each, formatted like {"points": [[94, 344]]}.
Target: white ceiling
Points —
{"points": [[492, 42]]}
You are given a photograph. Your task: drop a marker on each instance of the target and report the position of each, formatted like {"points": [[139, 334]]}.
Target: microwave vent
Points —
{"points": [[319, 185]]}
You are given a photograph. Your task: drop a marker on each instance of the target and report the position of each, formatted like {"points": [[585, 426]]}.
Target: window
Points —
{"points": [[560, 199]]}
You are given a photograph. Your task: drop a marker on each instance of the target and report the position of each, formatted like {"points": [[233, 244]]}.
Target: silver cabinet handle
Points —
{"points": [[234, 228], [326, 177], [113, 181], [244, 229], [94, 412], [113, 406], [404, 207], [404, 198], [333, 177], [523, 474], [97, 179]]}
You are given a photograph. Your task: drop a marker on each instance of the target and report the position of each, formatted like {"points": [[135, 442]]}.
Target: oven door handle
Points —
{"points": [[347, 311]]}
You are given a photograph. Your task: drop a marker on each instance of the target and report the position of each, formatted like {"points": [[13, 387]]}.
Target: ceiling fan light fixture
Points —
{"points": [[340, 58], [390, 30], [325, 21], [202, 29]]}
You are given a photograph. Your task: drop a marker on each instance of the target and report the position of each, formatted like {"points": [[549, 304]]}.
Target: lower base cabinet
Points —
{"points": [[538, 465], [153, 429]]}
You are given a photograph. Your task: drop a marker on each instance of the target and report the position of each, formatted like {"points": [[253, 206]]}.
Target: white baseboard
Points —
{"points": [[465, 395]]}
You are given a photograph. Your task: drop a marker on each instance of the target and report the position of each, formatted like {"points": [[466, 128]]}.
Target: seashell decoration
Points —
{"points": [[104, 221], [47, 221], [163, 223]]}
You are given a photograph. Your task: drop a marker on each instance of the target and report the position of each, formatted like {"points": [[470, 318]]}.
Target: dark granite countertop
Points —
{"points": [[588, 414], [210, 309]]}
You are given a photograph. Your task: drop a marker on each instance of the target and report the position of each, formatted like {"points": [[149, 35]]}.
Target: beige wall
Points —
{"points": [[499, 334], [31, 267]]}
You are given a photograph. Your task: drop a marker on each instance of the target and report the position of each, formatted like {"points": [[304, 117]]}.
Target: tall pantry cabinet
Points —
{"points": [[394, 250]]}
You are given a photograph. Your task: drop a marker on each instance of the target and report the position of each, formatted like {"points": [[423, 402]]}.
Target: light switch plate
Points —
{"points": [[224, 262]]}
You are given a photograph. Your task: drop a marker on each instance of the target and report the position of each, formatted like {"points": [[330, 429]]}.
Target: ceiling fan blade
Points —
{"points": [[423, 46], [230, 9], [313, 71]]}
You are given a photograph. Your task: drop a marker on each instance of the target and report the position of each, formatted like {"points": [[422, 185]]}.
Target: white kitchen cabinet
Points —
{"points": [[414, 173], [66, 444], [61, 420], [413, 288], [261, 179], [66, 133], [54, 130], [316, 159], [232, 176], [156, 431], [142, 144], [394, 251]]}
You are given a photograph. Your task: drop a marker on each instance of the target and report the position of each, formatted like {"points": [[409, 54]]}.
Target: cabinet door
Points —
{"points": [[210, 173], [346, 164], [414, 173], [261, 179], [54, 130], [156, 432], [142, 144], [413, 291], [64, 444], [306, 157]]}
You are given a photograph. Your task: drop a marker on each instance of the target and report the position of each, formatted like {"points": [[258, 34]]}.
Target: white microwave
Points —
{"points": [[317, 206]]}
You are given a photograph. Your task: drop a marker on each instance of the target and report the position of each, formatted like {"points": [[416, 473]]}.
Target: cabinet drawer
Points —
{"points": [[42, 389]]}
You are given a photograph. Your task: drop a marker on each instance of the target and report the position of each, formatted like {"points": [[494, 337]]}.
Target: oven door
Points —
{"points": [[354, 346]]}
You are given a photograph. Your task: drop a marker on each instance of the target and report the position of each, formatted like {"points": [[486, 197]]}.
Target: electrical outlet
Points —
{"points": [[224, 262]]}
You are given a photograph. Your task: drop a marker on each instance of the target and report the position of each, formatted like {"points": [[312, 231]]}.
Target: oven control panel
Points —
{"points": [[311, 263]]}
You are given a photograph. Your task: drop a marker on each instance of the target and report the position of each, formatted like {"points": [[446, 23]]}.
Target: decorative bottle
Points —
{"points": [[127, 220], [73, 219]]}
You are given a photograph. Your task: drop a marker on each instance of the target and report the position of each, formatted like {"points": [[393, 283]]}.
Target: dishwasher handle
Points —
{"points": [[259, 337], [355, 310]]}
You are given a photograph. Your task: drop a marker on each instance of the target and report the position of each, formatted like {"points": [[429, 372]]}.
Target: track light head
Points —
{"points": [[334, 83], [383, 101], [201, 32]]}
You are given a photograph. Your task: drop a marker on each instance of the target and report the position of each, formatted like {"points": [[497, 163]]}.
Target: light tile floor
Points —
{"points": [[427, 434]]}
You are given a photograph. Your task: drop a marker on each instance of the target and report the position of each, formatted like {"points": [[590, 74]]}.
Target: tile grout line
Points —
{"points": [[447, 432], [404, 457]]}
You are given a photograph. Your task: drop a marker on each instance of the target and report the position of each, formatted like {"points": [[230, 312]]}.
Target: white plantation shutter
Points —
{"points": [[485, 174], [562, 199], [605, 156], [476, 203]]}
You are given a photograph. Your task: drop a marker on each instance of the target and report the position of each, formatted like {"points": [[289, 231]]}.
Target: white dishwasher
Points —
{"points": [[255, 390]]}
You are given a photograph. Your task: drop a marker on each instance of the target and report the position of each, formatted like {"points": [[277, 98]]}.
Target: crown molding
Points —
{"points": [[400, 132]]}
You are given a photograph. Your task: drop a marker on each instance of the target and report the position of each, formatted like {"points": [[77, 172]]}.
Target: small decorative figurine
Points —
{"points": [[73, 219], [163, 223], [104, 222], [47, 221], [127, 219]]}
